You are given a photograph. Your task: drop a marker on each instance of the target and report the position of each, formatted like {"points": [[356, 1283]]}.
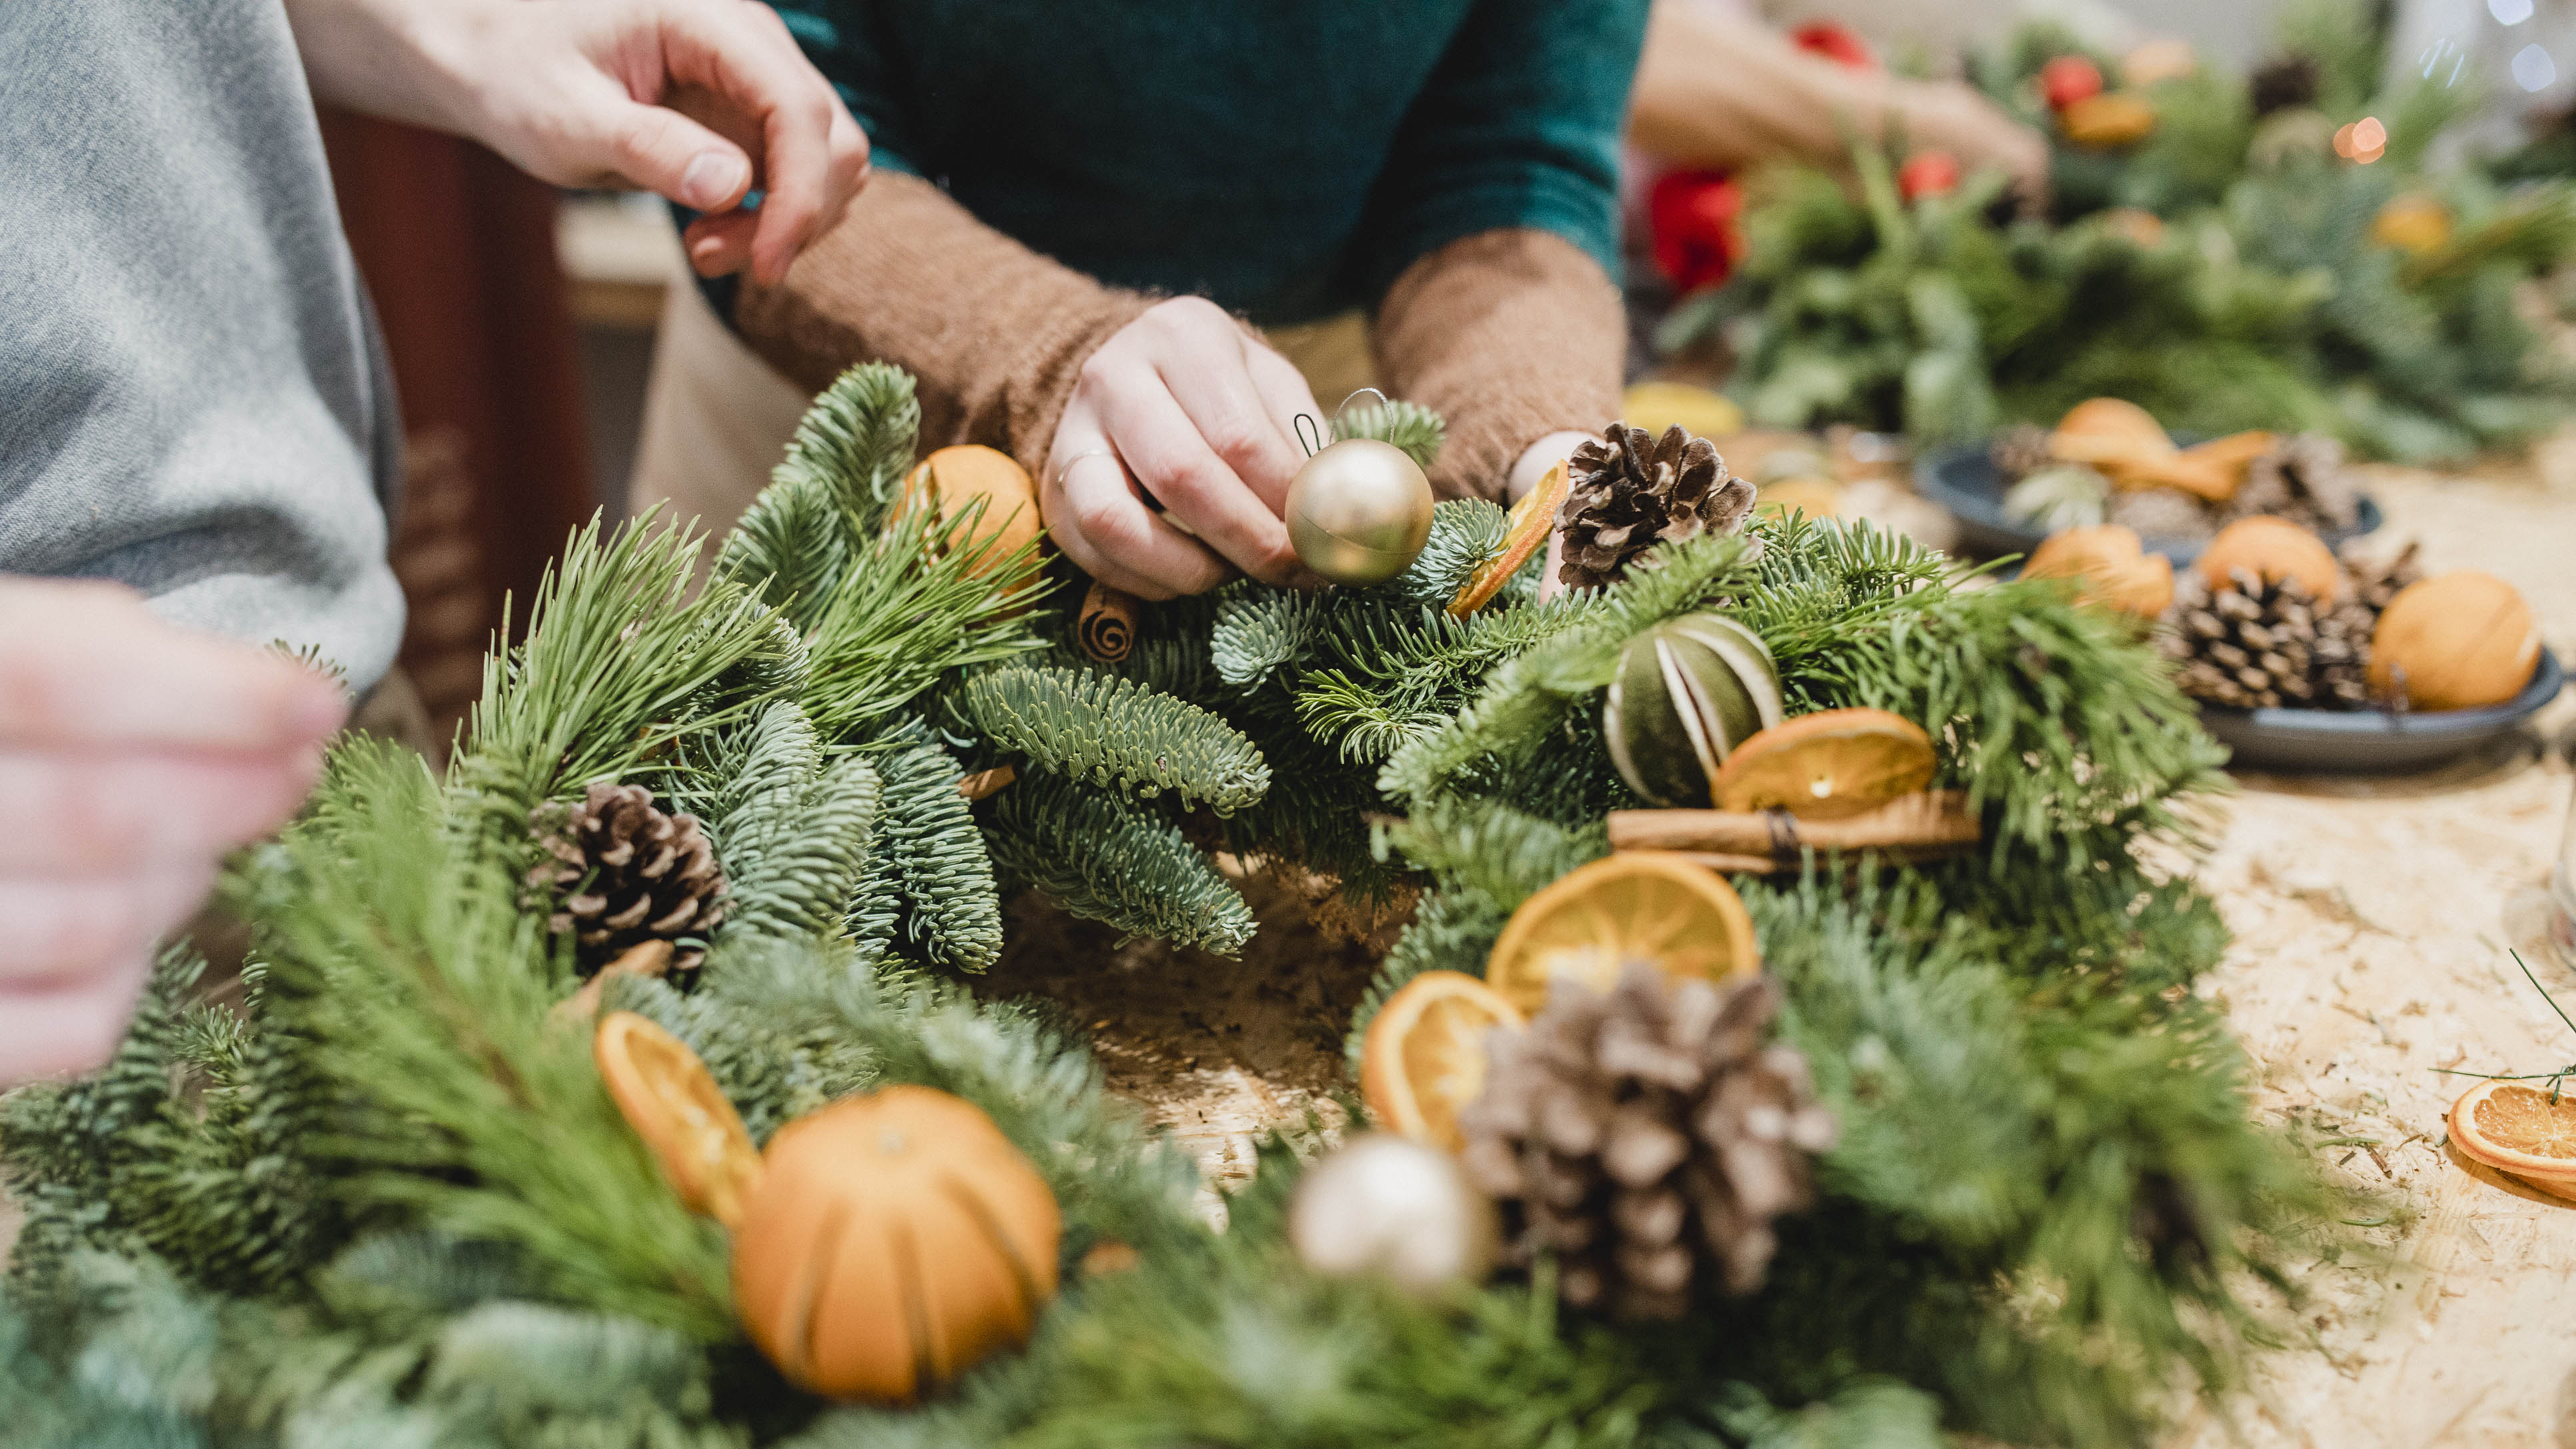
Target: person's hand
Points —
{"points": [[1202, 418], [698, 100], [1949, 116], [133, 755]]}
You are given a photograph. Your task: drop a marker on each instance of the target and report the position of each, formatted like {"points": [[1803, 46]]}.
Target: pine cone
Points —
{"points": [[2019, 450], [2162, 513], [2305, 480], [2250, 645], [1645, 1137], [2284, 82], [621, 871], [1630, 491], [2375, 581]]}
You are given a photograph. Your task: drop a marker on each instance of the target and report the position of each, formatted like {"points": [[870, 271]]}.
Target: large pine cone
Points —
{"points": [[1628, 491], [1646, 1137], [2252, 645], [2303, 479], [622, 871]]}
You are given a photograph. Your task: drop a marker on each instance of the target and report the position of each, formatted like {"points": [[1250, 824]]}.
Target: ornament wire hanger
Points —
{"points": [[1305, 423]]}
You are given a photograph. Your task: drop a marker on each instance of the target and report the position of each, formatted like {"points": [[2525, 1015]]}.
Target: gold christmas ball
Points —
{"points": [[1359, 511], [1389, 1207], [2460, 641]]}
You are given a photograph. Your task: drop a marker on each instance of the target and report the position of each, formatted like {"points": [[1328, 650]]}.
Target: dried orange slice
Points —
{"points": [[672, 1102], [1423, 1059], [2517, 1127], [1525, 531], [1639, 905], [1826, 765]]}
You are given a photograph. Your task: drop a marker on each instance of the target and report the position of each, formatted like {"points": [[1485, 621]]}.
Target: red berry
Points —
{"points": [[2068, 79], [1834, 42], [1690, 223], [1927, 173]]}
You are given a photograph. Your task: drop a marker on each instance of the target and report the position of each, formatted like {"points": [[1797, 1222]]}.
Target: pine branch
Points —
{"points": [[1465, 532], [840, 478], [1261, 630], [1407, 425], [1114, 732], [952, 910], [1103, 858]]}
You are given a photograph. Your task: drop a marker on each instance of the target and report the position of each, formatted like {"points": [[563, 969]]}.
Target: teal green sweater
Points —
{"points": [[1287, 158]]}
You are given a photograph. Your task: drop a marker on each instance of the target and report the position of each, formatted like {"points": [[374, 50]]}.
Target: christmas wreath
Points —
{"points": [[1865, 1149]]}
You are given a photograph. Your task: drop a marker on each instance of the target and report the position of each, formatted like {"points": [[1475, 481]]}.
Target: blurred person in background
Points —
{"points": [[197, 432], [1127, 243]]}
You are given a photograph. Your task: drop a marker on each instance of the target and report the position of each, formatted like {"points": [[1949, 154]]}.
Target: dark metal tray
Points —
{"points": [[2369, 740], [1966, 482]]}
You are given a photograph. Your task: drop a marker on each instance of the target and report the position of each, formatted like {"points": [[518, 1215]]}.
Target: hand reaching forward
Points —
{"points": [[698, 100], [1202, 418], [133, 755]]}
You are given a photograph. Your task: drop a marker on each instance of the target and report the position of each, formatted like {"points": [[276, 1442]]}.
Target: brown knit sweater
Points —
{"points": [[1511, 335]]}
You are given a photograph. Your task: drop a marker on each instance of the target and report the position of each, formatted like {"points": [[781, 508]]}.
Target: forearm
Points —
{"points": [[1719, 91], [398, 59], [1512, 336], [995, 333]]}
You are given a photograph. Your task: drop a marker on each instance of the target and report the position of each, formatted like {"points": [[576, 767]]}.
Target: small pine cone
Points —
{"points": [[2304, 479], [1628, 491], [2376, 581], [2019, 450], [2248, 645], [2163, 513], [620, 871], [1647, 1138]]}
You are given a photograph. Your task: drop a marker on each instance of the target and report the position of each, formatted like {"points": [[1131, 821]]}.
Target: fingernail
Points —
{"points": [[712, 179]]}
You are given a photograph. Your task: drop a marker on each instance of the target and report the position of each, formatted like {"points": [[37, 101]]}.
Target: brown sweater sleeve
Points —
{"points": [[1510, 335], [994, 332]]}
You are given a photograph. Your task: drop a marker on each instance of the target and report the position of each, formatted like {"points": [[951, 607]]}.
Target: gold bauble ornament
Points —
{"points": [[1386, 1207], [1359, 511]]}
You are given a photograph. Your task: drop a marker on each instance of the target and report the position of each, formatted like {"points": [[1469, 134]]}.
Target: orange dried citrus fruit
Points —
{"points": [[1638, 905], [1826, 765], [1423, 1059], [1525, 531], [672, 1102], [2518, 1127]]}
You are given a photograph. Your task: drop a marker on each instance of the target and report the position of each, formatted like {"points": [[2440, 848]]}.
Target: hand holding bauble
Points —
{"points": [[894, 1240], [1386, 1207], [1359, 512]]}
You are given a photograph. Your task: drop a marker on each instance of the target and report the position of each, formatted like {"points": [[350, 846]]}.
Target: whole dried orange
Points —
{"points": [[1525, 531], [672, 1102], [1638, 905], [1826, 765], [1423, 1059], [2524, 1128]]}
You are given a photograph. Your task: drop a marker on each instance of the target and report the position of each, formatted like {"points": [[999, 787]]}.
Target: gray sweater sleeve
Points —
{"points": [[193, 399]]}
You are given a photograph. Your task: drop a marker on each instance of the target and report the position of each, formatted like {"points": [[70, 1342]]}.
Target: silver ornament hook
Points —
{"points": [[1382, 401]]}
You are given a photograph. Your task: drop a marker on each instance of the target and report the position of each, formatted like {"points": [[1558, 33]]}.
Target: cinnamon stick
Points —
{"points": [[1107, 626], [986, 782], [1912, 827]]}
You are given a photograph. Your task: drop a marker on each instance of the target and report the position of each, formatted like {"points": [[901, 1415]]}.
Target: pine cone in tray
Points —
{"points": [[2252, 645], [2162, 513], [2305, 480], [1629, 491], [2375, 581], [1647, 1138], [2019, 450], [620, 871]]}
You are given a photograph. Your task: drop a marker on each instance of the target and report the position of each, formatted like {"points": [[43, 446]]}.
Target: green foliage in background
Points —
{"points": [[388, 1201]]}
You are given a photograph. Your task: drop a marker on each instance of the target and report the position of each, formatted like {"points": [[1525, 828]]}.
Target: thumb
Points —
{"points": [[663, 151]]}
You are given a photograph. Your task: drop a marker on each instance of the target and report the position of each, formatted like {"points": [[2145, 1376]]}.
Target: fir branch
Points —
{"points": [[1407, 425], [840, 477], [1465, 534], [1114, 732], [1103, 858], [952, 910], [1261, 630], [790, 829]]}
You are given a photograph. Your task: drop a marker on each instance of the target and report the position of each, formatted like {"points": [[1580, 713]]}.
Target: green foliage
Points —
{"points": [[1113, 731], [791, 826], [1465, 532], [937, 861], [1407, 425], [842, 474], [1106, 858], [2266, 302]]}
